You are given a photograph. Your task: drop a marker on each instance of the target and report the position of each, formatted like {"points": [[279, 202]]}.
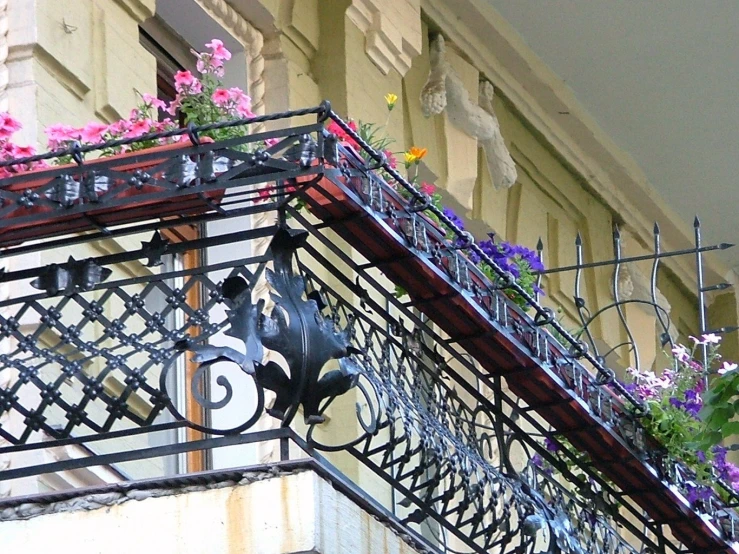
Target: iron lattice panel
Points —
{"points": [[112, 329]]}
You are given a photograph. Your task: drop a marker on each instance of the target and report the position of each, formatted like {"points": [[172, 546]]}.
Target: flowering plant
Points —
{"points": [[9, 150], [690, 411], [521, 262], [206, 100], [200, 100]]}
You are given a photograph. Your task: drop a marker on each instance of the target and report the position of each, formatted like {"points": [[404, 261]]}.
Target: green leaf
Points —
{"points": [[730, 428], [720, 416]]}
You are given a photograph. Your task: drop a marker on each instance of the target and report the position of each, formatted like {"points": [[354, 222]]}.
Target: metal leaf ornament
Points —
{"points": [[295, 328], [305, 338]]}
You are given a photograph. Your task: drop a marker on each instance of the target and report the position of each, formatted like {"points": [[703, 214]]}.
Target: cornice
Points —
{"points": [[384, 45], [552, 109]]}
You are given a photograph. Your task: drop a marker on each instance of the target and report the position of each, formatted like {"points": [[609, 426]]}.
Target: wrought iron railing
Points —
{"points": [[459, 393]]}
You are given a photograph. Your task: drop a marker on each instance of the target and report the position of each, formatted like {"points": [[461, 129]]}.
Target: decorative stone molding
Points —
{"points": [[392, 29], [500, 163], [444, 90], [4, 79]]}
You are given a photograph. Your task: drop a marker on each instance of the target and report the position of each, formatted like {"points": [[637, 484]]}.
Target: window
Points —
{"points": [[172, 55]]}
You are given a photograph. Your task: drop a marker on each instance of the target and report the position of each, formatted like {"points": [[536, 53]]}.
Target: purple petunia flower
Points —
{"points": [[696, 493], [550, 445], [473, 256], [454, 218], [488, 246]]}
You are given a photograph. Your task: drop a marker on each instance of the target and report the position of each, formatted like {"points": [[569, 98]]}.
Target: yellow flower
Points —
{"points": [[410, 159], [391, 99]]}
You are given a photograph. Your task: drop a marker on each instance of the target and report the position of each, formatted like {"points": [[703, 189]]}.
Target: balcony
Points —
{"points": [[429, 411]]}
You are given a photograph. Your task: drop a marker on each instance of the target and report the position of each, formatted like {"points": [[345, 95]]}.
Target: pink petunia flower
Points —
{"points": [[427, 188], [93, 132], [727, 367], [243, 109], [23, 151], [186, 82], [681, 353], [138, 128], [219, 51], [59, 135], [119, 127], [391, 160], [153, 101], [174, 105], [208, 64], [344, 137], [221, 97], [710, 338], [8, 125]]}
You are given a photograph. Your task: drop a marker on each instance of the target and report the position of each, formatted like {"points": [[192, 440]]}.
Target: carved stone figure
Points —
{"points": [[444, 90]]}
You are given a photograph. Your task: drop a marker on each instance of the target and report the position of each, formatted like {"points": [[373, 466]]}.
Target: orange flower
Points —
{"points": [[414, 155], [417, 153]]}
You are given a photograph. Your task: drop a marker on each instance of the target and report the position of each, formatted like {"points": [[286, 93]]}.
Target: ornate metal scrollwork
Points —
{"points": [[296, 329]]}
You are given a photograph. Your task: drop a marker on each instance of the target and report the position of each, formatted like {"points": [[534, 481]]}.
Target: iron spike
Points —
{"points": [[725, 246], [616, 232], [540, 245], [656, 229], [720, 286], [696, 222], [578, 239]]}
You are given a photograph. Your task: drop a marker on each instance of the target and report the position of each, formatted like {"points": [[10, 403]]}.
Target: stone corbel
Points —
{"points": [[392, 32], [444, 90]]}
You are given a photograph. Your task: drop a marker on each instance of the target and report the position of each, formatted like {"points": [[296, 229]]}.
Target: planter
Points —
{"points": [[89, 187], [324, 197]]}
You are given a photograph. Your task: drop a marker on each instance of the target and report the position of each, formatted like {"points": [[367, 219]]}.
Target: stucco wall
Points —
{"points": [[294, 513]]}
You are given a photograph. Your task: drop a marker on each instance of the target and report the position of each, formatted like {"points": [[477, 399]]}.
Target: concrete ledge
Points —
{"points": [[267, 512]]}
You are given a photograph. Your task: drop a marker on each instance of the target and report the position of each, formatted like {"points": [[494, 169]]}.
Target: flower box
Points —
{"points": [[85, 187], [323, 196]]}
